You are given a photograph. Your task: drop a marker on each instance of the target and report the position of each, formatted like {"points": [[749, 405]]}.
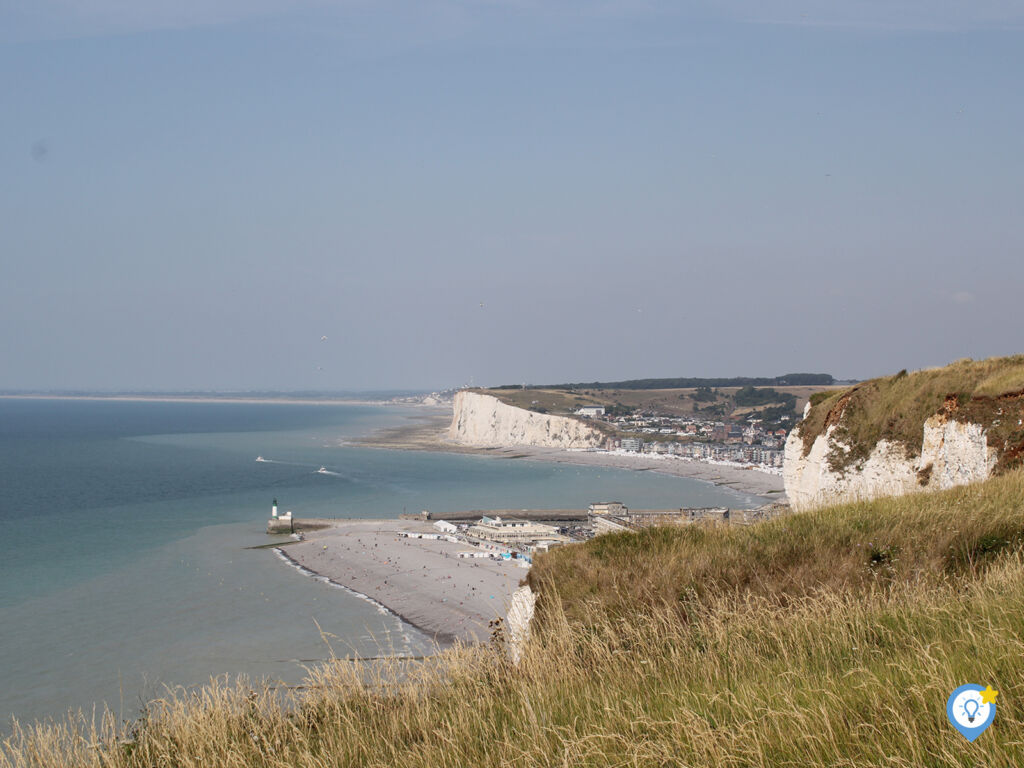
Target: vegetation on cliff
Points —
{"points": [[825, 638], [986, 392], [769, 404], [787, 380]]}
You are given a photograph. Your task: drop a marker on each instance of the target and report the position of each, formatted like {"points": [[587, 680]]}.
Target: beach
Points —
{"points": [[427, 431], [423, 581]]}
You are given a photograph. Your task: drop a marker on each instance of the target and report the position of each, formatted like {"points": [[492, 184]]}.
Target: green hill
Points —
{"points": [[830, 638], [692, 382]]}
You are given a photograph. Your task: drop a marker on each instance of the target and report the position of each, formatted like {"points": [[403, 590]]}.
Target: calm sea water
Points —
{"points": [[126, 525]]}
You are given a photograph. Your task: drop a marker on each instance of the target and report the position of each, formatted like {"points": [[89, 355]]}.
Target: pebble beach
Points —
{"points": [[423, 581]]}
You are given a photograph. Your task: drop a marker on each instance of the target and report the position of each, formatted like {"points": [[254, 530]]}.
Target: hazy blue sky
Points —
{"points": [[193, 193]]}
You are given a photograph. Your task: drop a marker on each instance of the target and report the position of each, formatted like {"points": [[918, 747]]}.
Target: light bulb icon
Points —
{"points": [[971, 708]]}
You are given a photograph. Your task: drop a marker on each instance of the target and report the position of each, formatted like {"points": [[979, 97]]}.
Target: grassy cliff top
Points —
{"points": [[853, 549], [709, 403], [988, 392], [826, 638]]}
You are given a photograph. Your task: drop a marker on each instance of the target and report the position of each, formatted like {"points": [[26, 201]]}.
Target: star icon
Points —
{"points": [[988, 696]]}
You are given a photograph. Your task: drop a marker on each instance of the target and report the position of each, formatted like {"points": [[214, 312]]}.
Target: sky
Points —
{"points": [[195, 194]]}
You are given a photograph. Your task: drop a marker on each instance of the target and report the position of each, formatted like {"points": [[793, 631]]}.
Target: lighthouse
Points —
{"points": [[273, 509]]}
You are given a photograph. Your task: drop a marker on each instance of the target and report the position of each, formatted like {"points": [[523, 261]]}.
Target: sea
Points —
{"points": [[127, 552]]}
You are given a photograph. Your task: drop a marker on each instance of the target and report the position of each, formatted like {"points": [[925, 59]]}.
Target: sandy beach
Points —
{"points": [[427, 431], [421, 580]]}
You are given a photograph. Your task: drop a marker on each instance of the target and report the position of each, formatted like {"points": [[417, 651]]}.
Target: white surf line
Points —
{"points": [[381, 608]]}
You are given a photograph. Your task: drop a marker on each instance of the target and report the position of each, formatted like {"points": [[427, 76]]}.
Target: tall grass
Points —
{"points": [[790, 643], [841, 549]]}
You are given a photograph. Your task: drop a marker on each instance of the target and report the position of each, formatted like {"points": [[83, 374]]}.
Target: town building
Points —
{"points": [[511, 531], [634, 444], [544, 546], [603, 525], [608, 508]]}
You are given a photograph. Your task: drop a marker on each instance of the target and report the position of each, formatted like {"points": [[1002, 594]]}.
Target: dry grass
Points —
{"points": [[843, 549], [895, 408], [1009, 379], [785, 644]]}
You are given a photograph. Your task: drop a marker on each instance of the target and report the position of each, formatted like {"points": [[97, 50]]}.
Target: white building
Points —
{"points": [[590, 410], [445, 527], [545, 546], [603, 525], [513, 531], [632, 444], [607, 508]]}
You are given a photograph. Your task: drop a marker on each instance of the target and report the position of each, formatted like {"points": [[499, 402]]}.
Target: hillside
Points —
{"points": [[929, 429], [988, 392], [824, 638], [694, 382], [733, 403]]}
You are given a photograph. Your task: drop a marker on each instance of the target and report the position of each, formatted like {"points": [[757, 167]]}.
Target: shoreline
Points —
{"points": [[441, 641], [423, 582], [427, 432]]}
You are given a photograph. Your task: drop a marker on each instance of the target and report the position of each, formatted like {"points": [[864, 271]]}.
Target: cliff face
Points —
{"points": [[484, 421], [520, 614], [952, 453]]}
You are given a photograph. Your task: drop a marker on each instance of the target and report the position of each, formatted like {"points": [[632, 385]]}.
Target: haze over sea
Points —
{"points": [[126, 524]]}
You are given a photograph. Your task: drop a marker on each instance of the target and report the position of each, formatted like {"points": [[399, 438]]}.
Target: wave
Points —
{"points": [[403, 624], [381, 608]]}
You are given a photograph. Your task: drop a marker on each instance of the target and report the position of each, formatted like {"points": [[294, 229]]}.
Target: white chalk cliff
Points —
{"points": [[484, 421], [520, 614], [953, 453]]}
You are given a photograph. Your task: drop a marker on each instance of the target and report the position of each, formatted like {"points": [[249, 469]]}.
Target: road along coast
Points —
{"points": [[423, 581]]}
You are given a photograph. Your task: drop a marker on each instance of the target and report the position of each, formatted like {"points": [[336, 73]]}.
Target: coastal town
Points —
{"points": [[752, 443], [734, 422]]}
